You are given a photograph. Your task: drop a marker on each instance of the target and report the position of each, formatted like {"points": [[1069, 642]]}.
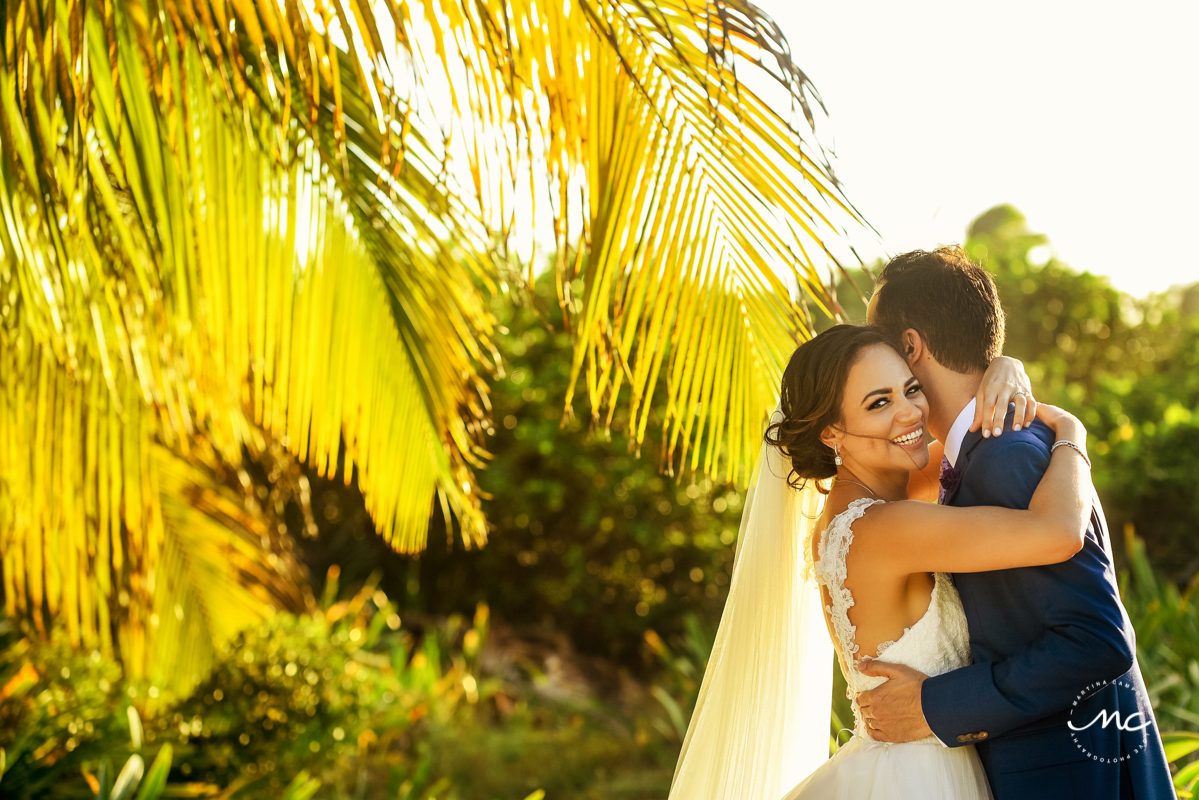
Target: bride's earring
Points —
{"points": [[837, 456]]}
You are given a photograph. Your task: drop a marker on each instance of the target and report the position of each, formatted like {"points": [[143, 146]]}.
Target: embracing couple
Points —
{"points": [[982, 637]]}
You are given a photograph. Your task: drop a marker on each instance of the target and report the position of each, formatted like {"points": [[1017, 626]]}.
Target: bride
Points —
{"points": [[828, 505]]}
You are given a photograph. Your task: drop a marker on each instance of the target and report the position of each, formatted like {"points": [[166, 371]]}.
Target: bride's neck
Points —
{"points": [[888, 485]]}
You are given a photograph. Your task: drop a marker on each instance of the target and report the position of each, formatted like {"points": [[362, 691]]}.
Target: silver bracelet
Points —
{"points": [[1069, 443]]}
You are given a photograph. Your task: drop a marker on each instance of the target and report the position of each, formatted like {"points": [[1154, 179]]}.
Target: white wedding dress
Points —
{"points": [[866, 769]]}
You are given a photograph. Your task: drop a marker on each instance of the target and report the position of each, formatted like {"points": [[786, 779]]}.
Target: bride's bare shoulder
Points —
{"points": [[875, 516], [836, 505]]}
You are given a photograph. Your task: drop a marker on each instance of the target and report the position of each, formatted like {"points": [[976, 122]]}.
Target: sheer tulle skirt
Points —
{"points": [[864, 769]]}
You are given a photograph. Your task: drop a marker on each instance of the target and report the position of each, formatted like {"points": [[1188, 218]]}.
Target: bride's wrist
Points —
{"points": [[1073, 433], [1077, 445]]}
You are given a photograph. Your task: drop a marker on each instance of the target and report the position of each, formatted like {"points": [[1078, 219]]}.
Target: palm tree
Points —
{"points": [[242, 236]]}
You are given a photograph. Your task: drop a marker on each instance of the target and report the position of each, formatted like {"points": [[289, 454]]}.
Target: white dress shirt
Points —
{"points": [[957, 432]]}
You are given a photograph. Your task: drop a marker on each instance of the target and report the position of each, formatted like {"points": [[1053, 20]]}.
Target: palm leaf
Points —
{"points": [[704, 217], [1179, 744], [215, 577]]}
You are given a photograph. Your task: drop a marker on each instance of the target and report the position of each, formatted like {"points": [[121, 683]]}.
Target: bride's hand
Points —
{"points": [[1005, 381]]}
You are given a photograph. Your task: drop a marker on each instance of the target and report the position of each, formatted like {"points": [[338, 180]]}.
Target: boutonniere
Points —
{"points": [[950, 478]]}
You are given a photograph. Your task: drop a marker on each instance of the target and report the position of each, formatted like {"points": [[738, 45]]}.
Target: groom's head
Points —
{"points": [[941, 309]]}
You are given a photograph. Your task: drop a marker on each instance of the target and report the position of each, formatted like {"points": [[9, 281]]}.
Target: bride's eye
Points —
{"points": [[876, 404], [914, 389]]}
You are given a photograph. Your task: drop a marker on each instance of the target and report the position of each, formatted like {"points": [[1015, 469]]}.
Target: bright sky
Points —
{"points": [[1082, 115]]}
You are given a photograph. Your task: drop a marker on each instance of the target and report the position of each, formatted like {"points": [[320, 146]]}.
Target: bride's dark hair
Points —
{"points": [[810, 398]]}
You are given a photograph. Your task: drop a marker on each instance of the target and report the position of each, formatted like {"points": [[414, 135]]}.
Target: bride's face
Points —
{"points": [[883, 414]]}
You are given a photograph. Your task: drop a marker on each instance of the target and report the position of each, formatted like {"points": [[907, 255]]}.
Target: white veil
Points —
{"points": [[761, 723]]}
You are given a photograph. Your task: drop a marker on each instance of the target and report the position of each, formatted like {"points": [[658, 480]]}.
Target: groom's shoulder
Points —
{"points": [[1038, 435], [1005, 470], [1029, 445]]}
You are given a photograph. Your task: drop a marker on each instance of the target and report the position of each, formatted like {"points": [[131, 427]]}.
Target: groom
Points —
{"points": [[1054, 700]]}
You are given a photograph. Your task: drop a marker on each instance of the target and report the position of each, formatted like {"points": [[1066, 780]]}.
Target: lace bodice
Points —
{"points": [[936, 643]]}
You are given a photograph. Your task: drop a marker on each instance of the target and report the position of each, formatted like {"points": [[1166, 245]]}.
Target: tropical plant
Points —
{"points": [[58, 709], [1167, 625], [1179, 745], [339, 696], [239, 233]]}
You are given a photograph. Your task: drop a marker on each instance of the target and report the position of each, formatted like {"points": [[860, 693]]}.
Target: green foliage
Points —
{"points": [[1148, 455], [1149, 479], [57, 704], [677, 684], [331, 695], [570, 754], [1071, 325], [576, 747], [58, 708], [1179, 745], [682, 670], [290, 693], [337, 699], [154, 784], [418, 720], [1167, 626]]}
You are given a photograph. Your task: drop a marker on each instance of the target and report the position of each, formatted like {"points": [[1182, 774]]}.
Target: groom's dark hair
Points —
{"points": [[949, 300]]}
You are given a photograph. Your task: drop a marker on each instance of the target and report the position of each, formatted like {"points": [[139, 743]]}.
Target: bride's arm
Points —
{"points": [[911, 536]]}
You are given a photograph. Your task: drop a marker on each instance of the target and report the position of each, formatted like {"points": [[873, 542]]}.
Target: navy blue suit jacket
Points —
{"points": [[1052, 647]]}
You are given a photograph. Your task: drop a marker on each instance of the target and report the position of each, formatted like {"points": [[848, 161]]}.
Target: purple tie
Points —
{"points": [[949, 479]]}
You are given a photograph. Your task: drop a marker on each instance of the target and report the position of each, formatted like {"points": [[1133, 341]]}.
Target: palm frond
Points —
{"points": [[214, 576], [139, 552], [704, 218]]}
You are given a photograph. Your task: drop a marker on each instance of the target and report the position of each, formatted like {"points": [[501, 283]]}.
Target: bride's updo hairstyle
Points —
{"points": [[811, 394]]}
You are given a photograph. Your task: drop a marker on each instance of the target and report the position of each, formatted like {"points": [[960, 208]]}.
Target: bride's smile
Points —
{"points": [[910, 439]]}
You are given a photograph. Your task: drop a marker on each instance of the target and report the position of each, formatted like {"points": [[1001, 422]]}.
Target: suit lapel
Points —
{"points": [[969, 442]]}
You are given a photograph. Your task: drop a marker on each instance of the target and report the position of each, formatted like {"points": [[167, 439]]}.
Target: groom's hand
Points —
{"points": [[892, 711]]}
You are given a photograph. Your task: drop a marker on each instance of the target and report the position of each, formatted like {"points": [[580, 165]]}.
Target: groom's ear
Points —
{"points": [[912, 345]]}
